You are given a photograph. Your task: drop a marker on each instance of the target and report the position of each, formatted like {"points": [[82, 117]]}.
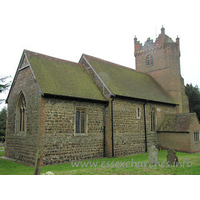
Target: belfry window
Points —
{"points": [[21, 114], [149, 60]]}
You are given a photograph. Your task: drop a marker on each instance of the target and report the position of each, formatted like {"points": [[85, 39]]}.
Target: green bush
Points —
{"points": [[2, 124]]}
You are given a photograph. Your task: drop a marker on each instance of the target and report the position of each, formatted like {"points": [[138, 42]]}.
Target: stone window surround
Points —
{"points": [[153, 117], [138, 113], [149, 60], [196, 136], [21, 116], [85, 109]]}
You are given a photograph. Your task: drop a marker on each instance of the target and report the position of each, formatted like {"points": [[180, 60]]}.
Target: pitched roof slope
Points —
{"points": [[177, 122], [127, 82], [61, 77]]}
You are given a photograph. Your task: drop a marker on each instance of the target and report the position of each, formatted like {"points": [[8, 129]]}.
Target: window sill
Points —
{"points": [[21, 133], [152, 132], [80, 134]]}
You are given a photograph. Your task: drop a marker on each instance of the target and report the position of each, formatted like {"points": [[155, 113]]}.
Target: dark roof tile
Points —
{"points": [[60, 77], [177, 122], [127, 82]]}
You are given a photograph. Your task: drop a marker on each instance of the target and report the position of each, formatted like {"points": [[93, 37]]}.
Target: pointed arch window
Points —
{"points": [[81, 121], [21, 114], [153, 119], [149, 60]]}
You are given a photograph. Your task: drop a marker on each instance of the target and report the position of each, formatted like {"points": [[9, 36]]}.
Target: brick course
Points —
{"points": [[176, 141], [181, 141]]}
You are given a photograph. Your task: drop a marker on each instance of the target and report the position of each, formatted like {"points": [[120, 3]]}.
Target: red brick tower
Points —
{"points": [[161, 59]]}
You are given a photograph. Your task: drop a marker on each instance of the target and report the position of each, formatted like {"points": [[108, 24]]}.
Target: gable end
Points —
{"points": [[96, 78], [23, 64]]}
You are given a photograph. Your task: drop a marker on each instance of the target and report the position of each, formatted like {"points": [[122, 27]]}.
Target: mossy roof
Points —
{"points": [[168, 40], [61, 77], [177, 122], [127, 82]]}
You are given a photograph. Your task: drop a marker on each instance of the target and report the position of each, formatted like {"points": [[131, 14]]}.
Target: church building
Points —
{"points": [[96, 108]]}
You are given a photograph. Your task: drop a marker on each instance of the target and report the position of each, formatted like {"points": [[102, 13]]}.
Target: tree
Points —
{"points": [[193, 94], [2, 124], [5, 86]]}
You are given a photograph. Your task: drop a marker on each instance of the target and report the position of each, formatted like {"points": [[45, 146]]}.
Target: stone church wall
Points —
{"points": [[59, 141], [129, 129], [23, 145]]}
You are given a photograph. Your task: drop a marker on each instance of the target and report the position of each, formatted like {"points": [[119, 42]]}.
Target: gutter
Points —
{"points": [[173, 132], [73, 98], [152, 101], [145, 125]]}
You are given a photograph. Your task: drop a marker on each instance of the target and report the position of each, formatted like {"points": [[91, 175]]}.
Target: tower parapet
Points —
{"points": [[160, 43], [161, 59]]}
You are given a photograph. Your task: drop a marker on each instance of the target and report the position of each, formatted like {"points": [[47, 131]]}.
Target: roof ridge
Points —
{"points": [[142, 75], [99, 59], [61, 77], [109, 62], [51, 57]]}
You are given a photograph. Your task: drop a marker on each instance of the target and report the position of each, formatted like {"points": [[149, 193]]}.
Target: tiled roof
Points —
{"points": [[177, 122], [61, 77], [169, 40], [127, 82]]}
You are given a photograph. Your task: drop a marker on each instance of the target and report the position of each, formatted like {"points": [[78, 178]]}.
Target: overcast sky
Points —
{"points": [[105, 29]]}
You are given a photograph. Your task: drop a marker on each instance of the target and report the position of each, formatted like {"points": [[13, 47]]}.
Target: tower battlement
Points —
{"points": [[160, 43], [161, 59]]}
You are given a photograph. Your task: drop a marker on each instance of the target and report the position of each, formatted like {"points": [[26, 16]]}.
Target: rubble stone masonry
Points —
{"points": [[59, 141], [129, 129], [23, 145]]}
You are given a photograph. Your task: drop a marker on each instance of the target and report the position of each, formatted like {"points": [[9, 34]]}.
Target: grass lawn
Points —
{"points": [[1, 148], [111, 166]]}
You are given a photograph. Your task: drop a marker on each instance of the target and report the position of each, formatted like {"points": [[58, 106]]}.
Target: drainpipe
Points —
{"points": [[145, 125], [104, 128], [113, 98]]}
